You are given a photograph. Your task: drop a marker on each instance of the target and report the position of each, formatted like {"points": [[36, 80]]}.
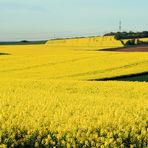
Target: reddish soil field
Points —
{"points": [[130, 49]]}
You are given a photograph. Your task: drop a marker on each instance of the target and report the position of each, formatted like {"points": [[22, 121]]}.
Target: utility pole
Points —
{"points": [[120, 25]]}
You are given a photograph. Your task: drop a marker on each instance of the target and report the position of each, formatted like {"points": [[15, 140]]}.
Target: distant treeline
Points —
{"points": [[128, 35], [24, 42]]}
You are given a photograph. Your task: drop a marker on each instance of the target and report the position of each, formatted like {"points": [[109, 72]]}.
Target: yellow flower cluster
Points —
{"points": [[73, 114]]}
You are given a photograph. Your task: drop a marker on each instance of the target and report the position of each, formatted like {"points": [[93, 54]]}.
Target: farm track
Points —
{"points": [[47, 64]]}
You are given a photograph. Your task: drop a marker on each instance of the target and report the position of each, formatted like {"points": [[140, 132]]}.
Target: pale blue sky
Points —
{"points": [[43, 19]]}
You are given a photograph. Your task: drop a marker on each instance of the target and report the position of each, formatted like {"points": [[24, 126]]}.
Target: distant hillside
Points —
{"points": [[99, 42], [25, 42]]}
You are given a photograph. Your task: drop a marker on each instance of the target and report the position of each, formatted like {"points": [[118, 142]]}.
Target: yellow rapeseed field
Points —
{"points": [[46, 99], [89, 43]]}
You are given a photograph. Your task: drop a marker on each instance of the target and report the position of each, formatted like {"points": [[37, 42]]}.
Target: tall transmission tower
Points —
{"points": [[120, 25]]}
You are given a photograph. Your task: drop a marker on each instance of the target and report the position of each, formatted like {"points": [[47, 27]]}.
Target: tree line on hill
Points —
{"points": [[24, 42], [132, 37], [128, 35]]}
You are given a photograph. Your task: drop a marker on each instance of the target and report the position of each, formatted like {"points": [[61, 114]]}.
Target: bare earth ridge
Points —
{"points": [[129, 49]]}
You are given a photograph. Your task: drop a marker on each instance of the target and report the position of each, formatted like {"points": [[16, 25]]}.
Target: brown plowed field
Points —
{"points": [[130, 49]]}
